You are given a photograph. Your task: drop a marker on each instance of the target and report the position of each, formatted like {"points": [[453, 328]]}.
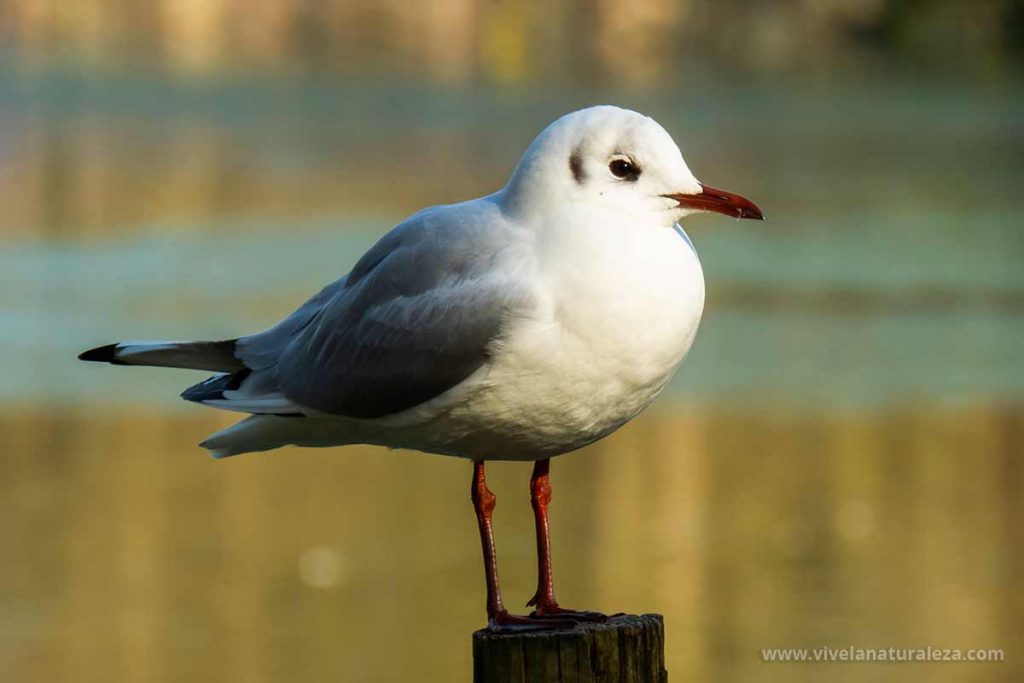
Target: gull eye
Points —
{"points": [[624, 168]]}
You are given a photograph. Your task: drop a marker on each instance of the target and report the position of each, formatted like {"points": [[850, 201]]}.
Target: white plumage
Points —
{"points": [[517, 326]]}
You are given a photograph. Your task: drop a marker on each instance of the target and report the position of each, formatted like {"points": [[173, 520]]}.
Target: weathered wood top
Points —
{"points": [[625, 649]]}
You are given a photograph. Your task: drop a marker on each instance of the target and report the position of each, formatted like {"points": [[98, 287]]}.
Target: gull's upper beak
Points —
{"points": [[720, 201]]}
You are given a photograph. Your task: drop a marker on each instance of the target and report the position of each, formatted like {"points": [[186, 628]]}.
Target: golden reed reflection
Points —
{"points": [[134, 557], [507, 41], [453, 41], [107, 175]]}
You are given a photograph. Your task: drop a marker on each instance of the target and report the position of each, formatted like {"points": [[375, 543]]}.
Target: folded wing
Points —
{"points": [[418, 314]]}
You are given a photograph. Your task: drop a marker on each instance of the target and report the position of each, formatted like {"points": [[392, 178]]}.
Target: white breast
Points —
{"points": [[618, 314]]}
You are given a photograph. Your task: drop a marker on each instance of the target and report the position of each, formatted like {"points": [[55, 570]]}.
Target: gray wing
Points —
{"points": [[416, 316]]}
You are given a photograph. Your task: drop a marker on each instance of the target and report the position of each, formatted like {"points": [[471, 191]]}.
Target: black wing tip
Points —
{"points": [[214, 387], [101, 354]]}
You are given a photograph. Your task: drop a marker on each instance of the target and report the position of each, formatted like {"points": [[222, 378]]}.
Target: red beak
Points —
{"points": [[719, 201]]}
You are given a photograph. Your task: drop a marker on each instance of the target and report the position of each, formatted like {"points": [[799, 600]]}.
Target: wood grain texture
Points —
{"points": [[625, 649]]}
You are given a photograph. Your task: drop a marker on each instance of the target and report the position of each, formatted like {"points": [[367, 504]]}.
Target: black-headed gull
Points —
{"points": [[517, 326]]}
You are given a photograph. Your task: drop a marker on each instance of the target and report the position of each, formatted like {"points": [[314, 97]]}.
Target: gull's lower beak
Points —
{"points": [[719, 201]]}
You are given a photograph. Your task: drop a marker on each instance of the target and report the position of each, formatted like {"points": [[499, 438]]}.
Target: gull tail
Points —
{"points": [[266, 432], [215, 356], [256, 433]]}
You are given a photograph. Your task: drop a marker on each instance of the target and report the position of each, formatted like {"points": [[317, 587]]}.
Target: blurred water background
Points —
{"points": [[838, 463]]}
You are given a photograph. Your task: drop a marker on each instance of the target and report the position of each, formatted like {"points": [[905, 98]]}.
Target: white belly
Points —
{"points": [[611, 330]]}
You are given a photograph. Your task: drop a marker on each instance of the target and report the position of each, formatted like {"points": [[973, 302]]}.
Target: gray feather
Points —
{"points": [[194, 355], [413, 319]]}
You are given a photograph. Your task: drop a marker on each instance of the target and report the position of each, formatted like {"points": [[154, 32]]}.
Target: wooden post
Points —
{"points": [[625, 649]]}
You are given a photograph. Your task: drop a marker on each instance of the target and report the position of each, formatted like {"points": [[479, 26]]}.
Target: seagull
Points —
{"points": [[517, 326]]}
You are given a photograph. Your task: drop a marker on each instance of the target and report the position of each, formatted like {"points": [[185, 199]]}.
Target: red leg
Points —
{"points": [[484, 502], [540, 498], [498, 618], [544, 602]]}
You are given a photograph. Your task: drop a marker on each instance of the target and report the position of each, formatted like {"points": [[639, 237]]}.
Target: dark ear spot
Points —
{"points": [[576, 166]]}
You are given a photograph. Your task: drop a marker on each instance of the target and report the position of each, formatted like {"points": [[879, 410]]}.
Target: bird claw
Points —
{"points": [[553, 612], [503, 622]]}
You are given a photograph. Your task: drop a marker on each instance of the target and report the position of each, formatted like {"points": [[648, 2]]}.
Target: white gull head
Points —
{"points": [[618, 160]]}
